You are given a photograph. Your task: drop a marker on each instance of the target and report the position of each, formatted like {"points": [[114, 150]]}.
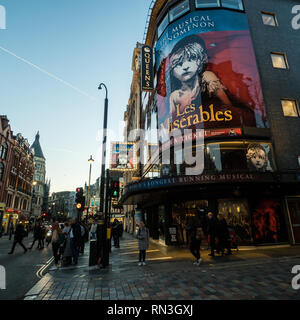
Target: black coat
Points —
{"points": [[37, 231], [222, 230], [76, 233], [19, 233], [212, 226]]}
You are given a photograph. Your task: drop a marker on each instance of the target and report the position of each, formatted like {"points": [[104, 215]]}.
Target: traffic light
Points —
{"points": [[44, 214], [80, 199], [115, 189]]}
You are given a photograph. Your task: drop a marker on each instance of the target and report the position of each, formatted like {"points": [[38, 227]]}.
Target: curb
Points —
{"points": [[38, 287]]}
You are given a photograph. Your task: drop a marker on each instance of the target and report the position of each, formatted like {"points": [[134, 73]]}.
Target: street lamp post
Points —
{"points": [[105, 253], [103, 148], [91, 160]]}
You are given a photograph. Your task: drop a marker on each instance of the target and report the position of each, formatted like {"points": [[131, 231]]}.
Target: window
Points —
{"points": [[179, 10], [227, 156], [233, 4], [207, 3], [269, 19], [8, 202], [16, 205], [3, 151], [289, 108], [279, 60], [162, 26], [1, 170]]}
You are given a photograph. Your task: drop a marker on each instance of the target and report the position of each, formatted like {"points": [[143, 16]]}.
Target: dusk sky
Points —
{"points": [[53, 56]]}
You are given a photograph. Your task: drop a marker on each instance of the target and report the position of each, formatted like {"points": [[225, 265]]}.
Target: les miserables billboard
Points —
{"points": [[207, 74]]}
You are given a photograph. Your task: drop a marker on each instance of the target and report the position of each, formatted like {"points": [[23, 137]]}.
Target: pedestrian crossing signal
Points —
{"points": [[115, 189]]}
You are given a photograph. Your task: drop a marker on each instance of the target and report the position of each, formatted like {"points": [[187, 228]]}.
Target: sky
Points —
{"points": [[53, 56]]}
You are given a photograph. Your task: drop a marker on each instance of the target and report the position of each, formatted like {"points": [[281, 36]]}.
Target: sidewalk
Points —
{"points": [[170, 274]]}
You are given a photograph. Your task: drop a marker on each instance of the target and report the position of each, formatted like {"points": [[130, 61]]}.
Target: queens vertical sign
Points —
{"points": [[147, 68]]}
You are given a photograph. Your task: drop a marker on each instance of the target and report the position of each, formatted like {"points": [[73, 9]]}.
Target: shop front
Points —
{"points": [[9, 218], [252, 205]]}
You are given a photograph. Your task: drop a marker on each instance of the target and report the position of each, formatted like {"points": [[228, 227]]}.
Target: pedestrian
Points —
{"points": [[195, 237], [223, 236], [120, 229], [75, 238], [212, 232], [82, 238], [143, 243], [42, 236], [93, 230], [11, 229], [66, 247], [36, 235], [116, 233], [18, 238], [56, 232]]}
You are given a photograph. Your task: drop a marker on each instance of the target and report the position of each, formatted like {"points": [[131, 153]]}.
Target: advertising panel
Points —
{"points": [[122, 156], [207, 75], [268, 221]]}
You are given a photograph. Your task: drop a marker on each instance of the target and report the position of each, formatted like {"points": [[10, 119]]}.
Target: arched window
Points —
{"points": [[1, 170], [3, 151]]}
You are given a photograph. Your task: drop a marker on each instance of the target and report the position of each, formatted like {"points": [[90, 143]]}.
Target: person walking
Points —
{"points": [[223, 236], [75, 237], [36, 236], [56, 232], [11, 229], [116, 233], [66, 247], [18, 238], [42, 236], [143, 243], [82, 238], [195, 237], [93, 230], [212, 232]]}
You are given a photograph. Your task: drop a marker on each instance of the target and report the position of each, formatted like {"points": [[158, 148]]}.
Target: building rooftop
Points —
{"points": [[37, 147]]}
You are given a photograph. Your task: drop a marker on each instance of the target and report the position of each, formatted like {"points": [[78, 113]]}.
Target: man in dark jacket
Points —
{"points": [[116, 233], [18, 238], [194, 239], [212, 232], [75, 238], [37, 236], [223, 235]]}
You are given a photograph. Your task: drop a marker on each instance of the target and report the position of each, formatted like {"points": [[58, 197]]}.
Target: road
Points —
{"points": [[22, 270]]}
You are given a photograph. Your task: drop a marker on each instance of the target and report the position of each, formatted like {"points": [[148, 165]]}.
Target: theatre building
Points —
{"points": [[226, 70]]}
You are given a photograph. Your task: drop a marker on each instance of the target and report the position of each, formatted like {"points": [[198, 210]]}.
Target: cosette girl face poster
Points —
{"points": [[207, 73]]}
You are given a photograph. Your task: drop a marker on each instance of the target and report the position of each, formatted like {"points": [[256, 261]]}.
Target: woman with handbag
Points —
{"points": [[56, 232], [143, 243], [67, 251]]}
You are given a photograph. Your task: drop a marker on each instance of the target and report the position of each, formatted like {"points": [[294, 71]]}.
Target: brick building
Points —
{"points": [[17, 178]]}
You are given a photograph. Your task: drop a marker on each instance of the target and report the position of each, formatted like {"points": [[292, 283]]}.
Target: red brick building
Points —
{"points": [[16, 176]]}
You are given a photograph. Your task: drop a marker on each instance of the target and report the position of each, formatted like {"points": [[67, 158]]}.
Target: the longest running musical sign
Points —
{"points": [[147, 68]]}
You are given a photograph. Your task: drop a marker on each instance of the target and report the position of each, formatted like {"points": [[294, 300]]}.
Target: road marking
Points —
{"points": [[39, 273]]}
